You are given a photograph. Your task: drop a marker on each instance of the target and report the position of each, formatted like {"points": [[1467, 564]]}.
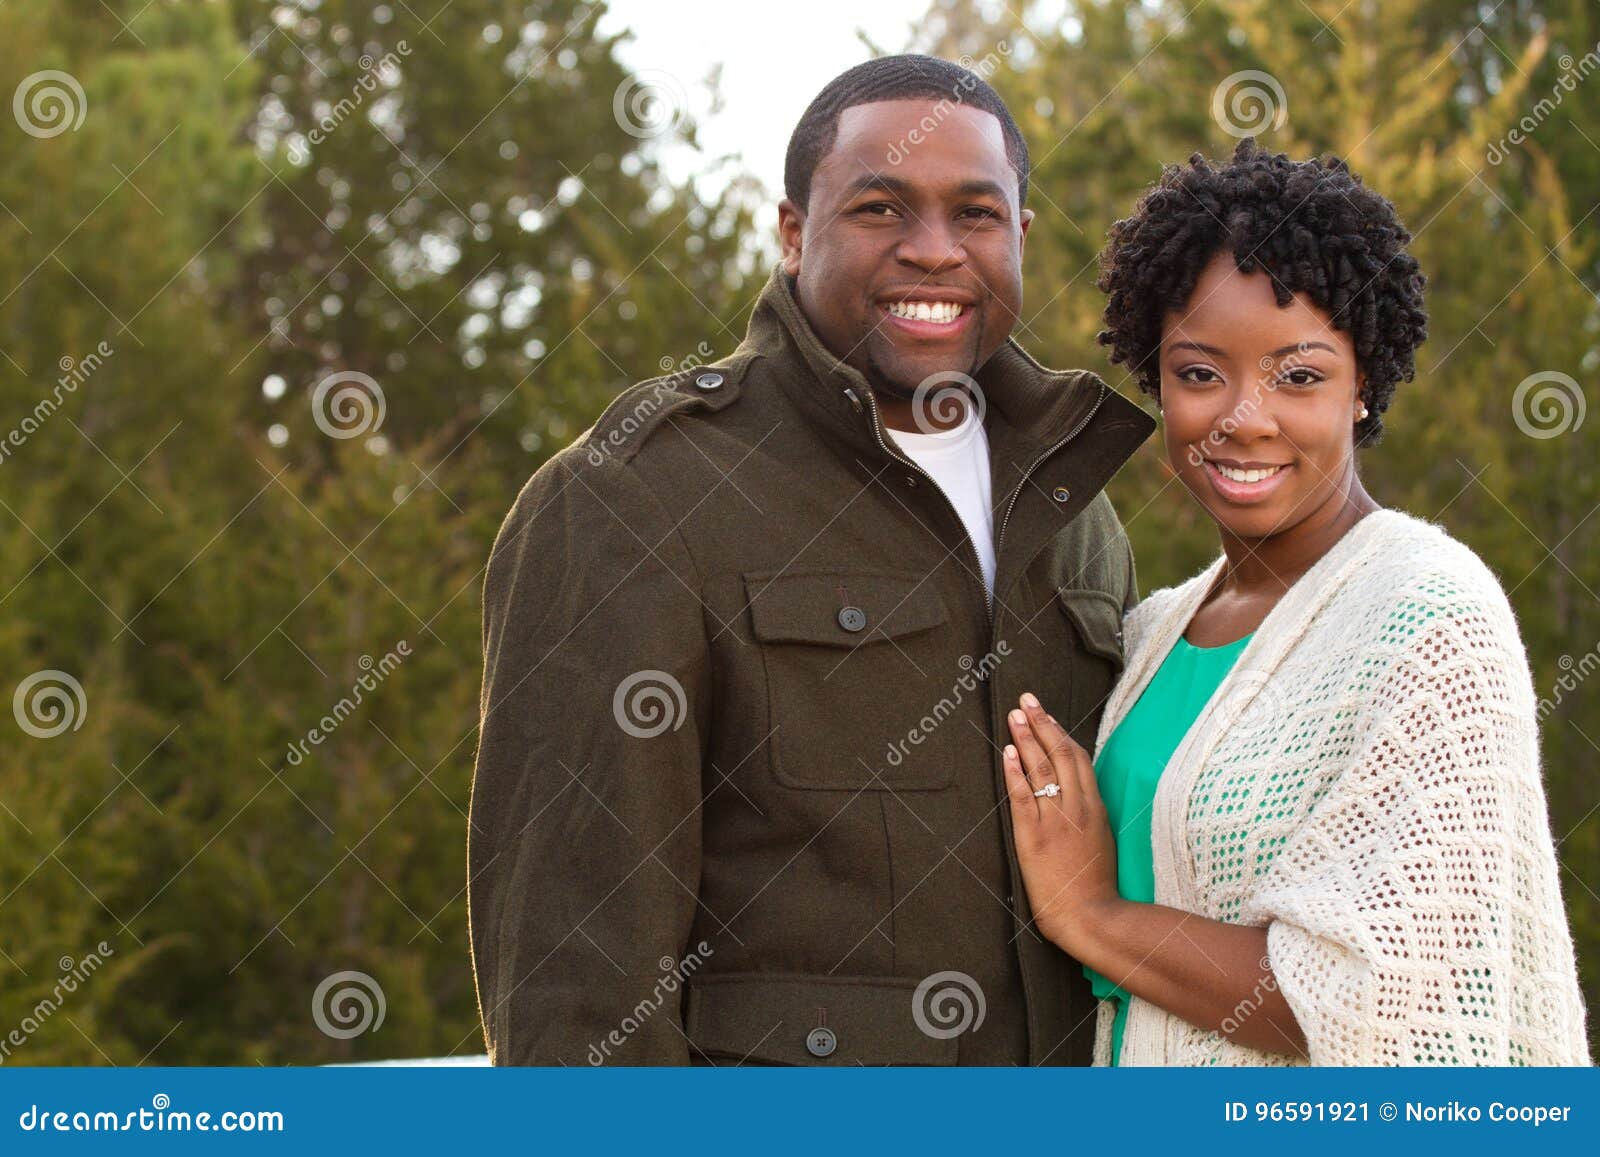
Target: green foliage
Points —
{"points": [[474, 230]]}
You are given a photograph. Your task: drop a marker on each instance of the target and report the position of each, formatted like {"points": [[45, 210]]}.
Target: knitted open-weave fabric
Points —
{"points": [[1365, 784]]}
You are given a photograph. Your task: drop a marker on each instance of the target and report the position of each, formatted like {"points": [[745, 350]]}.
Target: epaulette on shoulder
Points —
{"points": [[636, 413]]}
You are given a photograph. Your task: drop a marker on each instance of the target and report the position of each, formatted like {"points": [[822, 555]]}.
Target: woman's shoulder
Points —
{"points": [[1419, 564], [1424, 595]]}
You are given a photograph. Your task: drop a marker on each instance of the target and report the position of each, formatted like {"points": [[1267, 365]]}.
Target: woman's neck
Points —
{"points": [[1275, 562]]}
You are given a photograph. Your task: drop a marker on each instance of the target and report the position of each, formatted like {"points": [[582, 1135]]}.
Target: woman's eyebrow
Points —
{"points": [[1202, 347]]}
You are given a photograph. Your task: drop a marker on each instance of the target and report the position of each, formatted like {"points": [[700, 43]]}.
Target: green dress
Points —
{"points": [[1130, 766]]}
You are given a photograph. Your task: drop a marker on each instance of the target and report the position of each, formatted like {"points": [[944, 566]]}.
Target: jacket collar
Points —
{"points": [[1028, 409]]}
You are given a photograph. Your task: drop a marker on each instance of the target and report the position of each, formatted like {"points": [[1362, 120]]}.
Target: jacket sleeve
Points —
{"points": [[1415, 918], [584, 842]]}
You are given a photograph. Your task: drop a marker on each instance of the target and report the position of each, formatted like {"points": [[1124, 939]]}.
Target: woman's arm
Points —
{"points": [[1212, 974]]}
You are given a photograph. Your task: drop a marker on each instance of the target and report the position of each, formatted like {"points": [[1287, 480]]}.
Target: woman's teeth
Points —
{"points": [[1232, 474], [940, 312]]}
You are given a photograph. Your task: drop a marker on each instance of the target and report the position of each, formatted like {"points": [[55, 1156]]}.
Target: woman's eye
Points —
{"points": [[1200, 374], [1299, 377]]}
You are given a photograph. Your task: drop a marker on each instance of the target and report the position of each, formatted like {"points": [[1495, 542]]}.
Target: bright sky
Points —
{"points": [[773, 60]]}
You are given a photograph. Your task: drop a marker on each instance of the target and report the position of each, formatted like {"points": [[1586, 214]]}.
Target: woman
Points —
{"points": [[1314, 828]]}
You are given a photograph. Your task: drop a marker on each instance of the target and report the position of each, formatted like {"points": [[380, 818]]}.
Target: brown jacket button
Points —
{"points": [[852, 618], [821, 1042]]}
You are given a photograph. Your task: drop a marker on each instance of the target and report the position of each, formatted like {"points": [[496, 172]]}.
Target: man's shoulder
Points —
{"points": [[635, 416]]}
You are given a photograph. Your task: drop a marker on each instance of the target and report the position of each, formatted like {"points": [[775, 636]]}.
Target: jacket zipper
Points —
{"points": [[999, 538], [988, 599]]}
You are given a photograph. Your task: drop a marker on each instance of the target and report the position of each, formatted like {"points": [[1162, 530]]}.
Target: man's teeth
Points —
{"points": [[1235, 475], [942, 312]]}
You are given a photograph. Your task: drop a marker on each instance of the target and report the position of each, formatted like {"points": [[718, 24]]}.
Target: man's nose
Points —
{"points": [[932, 243]]}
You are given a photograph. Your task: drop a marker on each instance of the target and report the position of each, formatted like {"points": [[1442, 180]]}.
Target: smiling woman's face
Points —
{"points": [[1258, 403]]}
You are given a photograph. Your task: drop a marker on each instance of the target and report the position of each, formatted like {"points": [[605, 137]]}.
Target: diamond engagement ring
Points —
{"points": [[1049, 789]]}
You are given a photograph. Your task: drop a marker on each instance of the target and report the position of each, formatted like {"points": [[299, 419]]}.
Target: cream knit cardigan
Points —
{"points": [[1365, 783]]}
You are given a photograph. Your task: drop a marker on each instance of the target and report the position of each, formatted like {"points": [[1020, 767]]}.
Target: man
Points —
{"points": [[749, 643]]}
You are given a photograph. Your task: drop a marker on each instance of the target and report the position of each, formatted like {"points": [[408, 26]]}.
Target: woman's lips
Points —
{"points": [[1244, 493]]}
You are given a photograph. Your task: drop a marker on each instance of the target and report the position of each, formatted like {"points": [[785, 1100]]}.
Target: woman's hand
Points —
{"points": [[1064, 841]]}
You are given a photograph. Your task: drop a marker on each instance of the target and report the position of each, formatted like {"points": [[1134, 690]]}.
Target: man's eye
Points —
{"points": [[879, 209], [980, 211]]}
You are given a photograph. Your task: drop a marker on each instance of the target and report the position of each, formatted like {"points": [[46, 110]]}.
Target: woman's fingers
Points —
{"points": [[1024, 807], [1072, 764], [1035, 760]]}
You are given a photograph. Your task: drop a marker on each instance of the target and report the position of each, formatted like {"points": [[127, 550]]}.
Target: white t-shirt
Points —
{"points": [[958, 460]]}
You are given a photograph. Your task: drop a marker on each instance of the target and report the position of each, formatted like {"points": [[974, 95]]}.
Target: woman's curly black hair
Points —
{"points": [[1312, 226]]}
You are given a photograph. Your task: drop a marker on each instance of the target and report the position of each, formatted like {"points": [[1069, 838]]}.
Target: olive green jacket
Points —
{"points": [[739, 793]]}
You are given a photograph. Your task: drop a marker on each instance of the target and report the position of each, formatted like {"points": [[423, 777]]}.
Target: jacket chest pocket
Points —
{"points": [[852, 661], [1095, 617]]}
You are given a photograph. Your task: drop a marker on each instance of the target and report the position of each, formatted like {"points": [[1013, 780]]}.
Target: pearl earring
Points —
{"points": [[1363, 412]]}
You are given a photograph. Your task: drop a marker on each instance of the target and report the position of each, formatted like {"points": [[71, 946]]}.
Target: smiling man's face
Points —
{"points": [[912, 268]]}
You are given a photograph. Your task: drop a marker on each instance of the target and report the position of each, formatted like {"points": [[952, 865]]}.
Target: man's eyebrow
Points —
{"points": [[981, 188], [900, 187]]}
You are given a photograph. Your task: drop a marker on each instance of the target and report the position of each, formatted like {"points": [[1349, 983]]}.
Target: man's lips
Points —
{"points": [[928, 315]]}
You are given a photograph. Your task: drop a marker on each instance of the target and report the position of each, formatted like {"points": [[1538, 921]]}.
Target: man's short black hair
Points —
{"points": [[908, 77], [1311, 226]]}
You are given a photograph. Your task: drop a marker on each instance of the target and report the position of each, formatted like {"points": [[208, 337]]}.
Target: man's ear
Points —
{"points": [[1024, 219], [791, 224]]}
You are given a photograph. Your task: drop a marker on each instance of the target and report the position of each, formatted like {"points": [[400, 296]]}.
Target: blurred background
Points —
{"points": [[295, 296]]}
